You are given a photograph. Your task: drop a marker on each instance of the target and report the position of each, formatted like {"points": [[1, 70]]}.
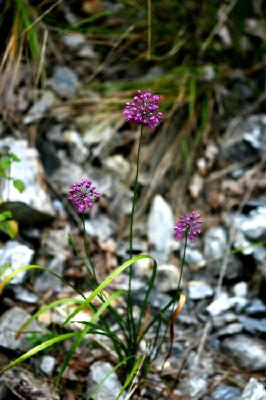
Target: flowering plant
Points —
{"points": [[133, 331]]}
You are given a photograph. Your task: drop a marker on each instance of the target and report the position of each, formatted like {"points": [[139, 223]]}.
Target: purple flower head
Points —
{"points": [[82, 195], [144, 109], [188, 224]]}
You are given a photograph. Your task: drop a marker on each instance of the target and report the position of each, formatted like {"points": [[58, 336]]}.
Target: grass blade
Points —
{"points": [[44, 309], [136, 366], [97, 387], [175, 315], [105, 283], [85, 331], [37, 349], [7, 279], [16, 272], [176, 312]]}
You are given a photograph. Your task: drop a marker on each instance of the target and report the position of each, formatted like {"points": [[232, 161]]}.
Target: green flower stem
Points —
{"points": [[130, 319], [86, 246], [174, 299], [183, 261], [101, 296]]}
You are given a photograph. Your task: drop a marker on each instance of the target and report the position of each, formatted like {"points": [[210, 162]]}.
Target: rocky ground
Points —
{"points": [[219, 350]]}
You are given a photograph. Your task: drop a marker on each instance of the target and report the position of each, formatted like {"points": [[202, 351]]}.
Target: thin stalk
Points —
{"points": [[86, 246], [131, 325], [182, 262], [81, 259], [101, 296], [170, 321]]}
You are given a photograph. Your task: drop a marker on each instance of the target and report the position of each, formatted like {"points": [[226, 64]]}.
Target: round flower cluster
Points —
{"points": [[82, 195], [144, 109], [188, 225]]}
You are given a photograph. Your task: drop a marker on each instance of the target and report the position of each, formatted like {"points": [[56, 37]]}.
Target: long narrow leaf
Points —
{"points": [[16, 272], [105, 283], [136, 366], [44, 309], [175, 315], [101, 330], [176, 312], [86, 330], [37, 349], [7, 279], [97, 387]]}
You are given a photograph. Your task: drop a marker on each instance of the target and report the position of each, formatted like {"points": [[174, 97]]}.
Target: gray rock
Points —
{"points": [[77, 148], [160, 227], [33, 204], [77, 43], [10, 322], [55, 242], [66, 174], [118, 166], [253, 325], [88, 52], [199, 290], [47, 282], [100, 226], [96, 133], [240, 289], [215, 244], [223, 303], [16, 255], [26, 386], [110, 387], [156, 299], [64, 82], [39, 108], [138, 247], [256, 307], [195, 258], [220, 321], [259, 254], [230, 329], [247, 352], [74, 40], [25, 295], [70, 172], [253, 226], [254, 390], [241, 241], [245, 137], [234, 267], [225, 392], [196, 385], [122, 281], [143, 267], [55, 134], [219, 304], [167, 277], [47, 364]]}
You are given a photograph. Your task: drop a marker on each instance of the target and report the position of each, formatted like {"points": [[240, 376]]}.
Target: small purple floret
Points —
{"points": [[144, 109], [82, 195], [190, 224]]}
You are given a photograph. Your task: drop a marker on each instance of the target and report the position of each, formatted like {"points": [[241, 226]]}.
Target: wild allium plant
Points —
{"points": [[132, 331]]}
